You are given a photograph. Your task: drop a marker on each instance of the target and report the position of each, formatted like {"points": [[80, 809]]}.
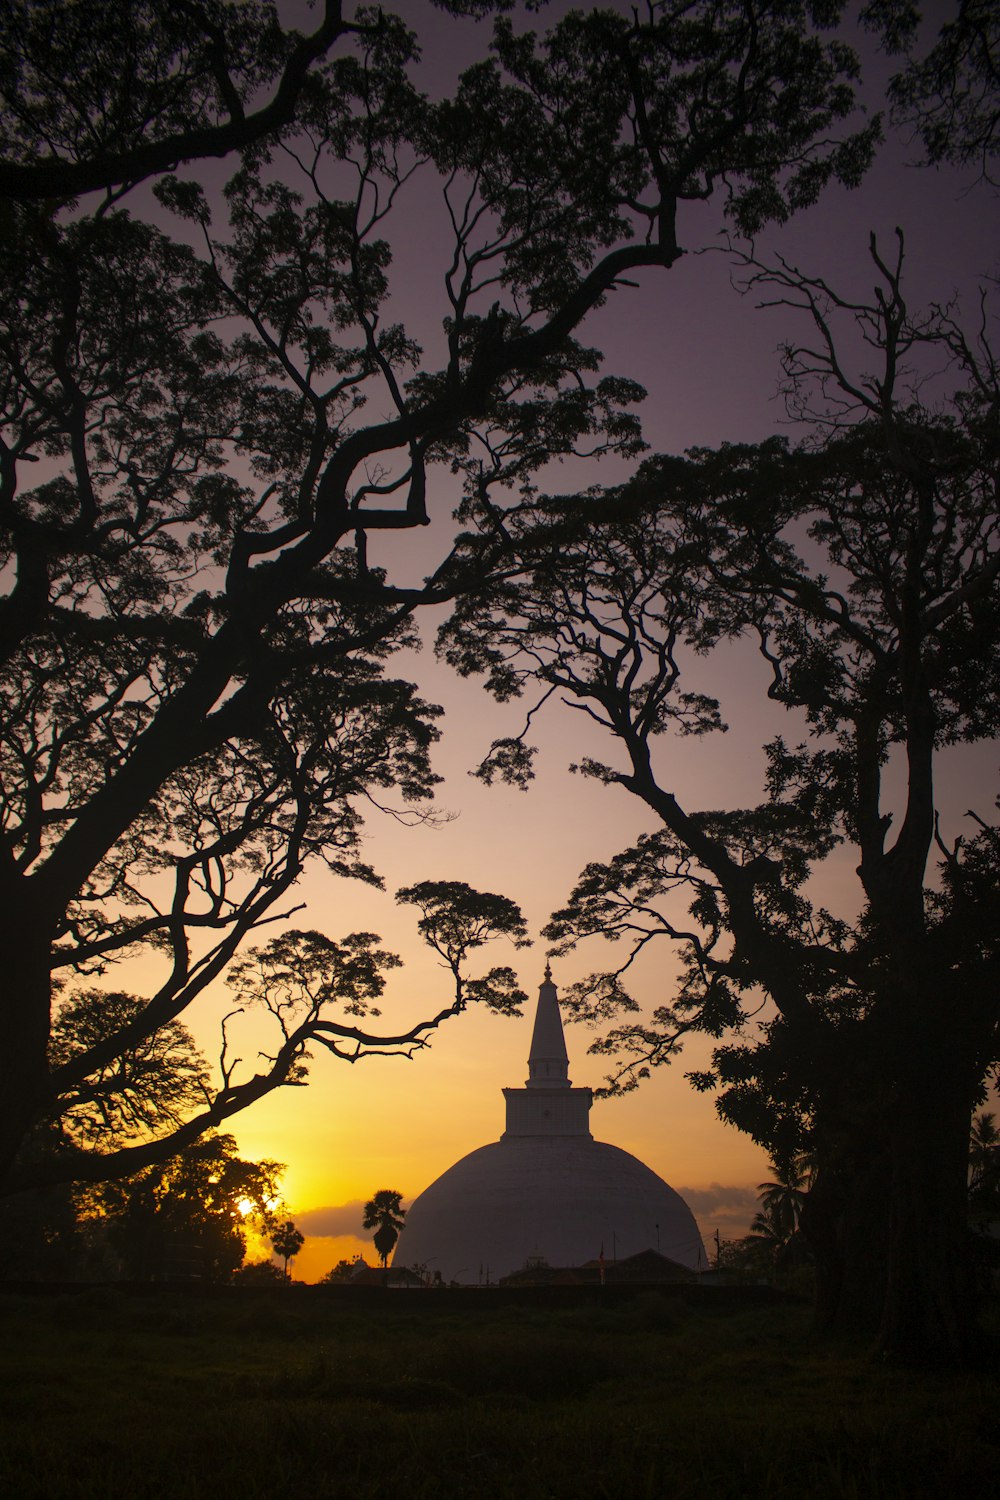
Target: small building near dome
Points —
{"points": [[546, 1189], [646, 1269]]}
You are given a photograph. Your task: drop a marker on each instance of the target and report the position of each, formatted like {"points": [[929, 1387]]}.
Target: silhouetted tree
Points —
{"points": [[950, 92], [344, 1271], [259, 1273], [149, 1086], [769, 1229], [187, 1217], [286, 1241], [984, 1170], [41, 1237], [782, 1197], [297, 976], [774, 1245], [384, 1213], [208, 417], [865, 567], [180, 78], [748, 1258]]}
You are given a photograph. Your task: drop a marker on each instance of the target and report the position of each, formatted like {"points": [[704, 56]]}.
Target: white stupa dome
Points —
{"points": [[546, 1188]]}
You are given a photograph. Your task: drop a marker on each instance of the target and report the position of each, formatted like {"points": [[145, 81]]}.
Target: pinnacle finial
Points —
{"points": [[547, 1060]]}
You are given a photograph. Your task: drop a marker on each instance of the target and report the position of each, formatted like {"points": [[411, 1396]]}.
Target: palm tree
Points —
{"points": [[769, 1227], [984, 1148], [984, 1169], [781, 1199], [385, 1214], [286, 1241]]}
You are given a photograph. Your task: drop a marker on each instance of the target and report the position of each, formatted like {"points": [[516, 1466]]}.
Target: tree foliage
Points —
{"points": [[782, 1196], [147, 1087], [313, 990], [948, 92], [984, 1172], [259, 1273], [286, 1241], [102, 94], [865, 565], [344, 1272], [209, 412], [186, 1218]]}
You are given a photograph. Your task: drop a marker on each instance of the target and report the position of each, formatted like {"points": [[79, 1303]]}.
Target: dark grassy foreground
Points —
{"points": [[300, 1394]]}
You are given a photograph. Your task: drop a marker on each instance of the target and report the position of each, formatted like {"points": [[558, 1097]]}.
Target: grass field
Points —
{"points": [[295, 1393]]}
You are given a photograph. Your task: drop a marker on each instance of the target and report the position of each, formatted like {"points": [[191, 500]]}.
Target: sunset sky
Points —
{"points": [[707, 357]]}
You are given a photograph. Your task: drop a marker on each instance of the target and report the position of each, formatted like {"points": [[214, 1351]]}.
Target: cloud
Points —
{"points": [[718, 1199], [333, 1222], [718, 1206], [723, 1210]]}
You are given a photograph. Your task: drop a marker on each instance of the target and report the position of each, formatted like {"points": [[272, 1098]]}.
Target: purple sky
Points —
{"points": [[707, 357]]}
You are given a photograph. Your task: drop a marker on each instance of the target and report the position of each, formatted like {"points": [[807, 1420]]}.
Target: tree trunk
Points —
{"points": [[845, 1220], [24, 1018], [890, 1233], [928, 1313]]}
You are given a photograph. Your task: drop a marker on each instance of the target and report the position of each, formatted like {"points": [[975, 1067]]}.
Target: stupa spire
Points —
{"points": [[548, 1105], [548, 1060]]}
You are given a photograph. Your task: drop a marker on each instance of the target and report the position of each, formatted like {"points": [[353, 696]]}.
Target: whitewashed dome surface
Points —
{"points": [[546, 1188]]}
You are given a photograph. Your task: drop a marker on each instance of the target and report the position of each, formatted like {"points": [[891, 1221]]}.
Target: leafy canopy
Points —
{"points": [[865, 566], [210, 410]]}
